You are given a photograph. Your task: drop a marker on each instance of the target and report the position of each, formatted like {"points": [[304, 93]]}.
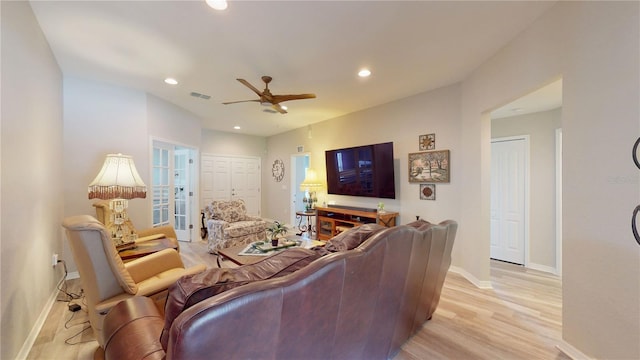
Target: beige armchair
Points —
{"points": [[106, 280], [103, 214], [229, 225]]}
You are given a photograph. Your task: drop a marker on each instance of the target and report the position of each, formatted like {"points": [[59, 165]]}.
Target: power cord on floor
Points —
{"points": [[62, 286], [68, 340], [68, 325]]}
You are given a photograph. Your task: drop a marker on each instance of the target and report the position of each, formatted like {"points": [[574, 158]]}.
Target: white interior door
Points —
{"points": [[509, 170], [229, 177]]}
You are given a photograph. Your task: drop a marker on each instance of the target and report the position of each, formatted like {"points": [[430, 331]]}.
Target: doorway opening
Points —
{"points": [[536, 118], [299, 166]]}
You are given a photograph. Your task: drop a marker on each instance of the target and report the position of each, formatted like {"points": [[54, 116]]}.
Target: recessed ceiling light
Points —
{"points": [[283, 107], [237, 127], [171, 81], [217, 4], [364, 73]]}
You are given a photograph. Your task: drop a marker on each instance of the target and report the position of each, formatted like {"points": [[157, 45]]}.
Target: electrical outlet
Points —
{"points": [[54, 260]]}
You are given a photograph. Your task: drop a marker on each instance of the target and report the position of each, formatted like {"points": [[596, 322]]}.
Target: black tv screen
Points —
{"points": [[361, 171]]}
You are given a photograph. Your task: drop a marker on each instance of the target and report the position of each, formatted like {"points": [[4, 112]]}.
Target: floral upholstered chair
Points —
{"points": [[229, 225]]}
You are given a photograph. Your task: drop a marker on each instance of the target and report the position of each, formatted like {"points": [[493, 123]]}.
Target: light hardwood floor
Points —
{"points": [[520, 318]]}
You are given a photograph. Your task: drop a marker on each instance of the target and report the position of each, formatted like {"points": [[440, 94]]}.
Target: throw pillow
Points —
{"points": [[352, 238]]}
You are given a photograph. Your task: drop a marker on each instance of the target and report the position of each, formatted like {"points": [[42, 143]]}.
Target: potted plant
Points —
{"points": [[275, 230]]}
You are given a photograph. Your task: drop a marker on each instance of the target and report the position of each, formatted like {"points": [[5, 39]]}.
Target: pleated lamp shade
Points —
{"points": [[118, 179], [311, 181]]}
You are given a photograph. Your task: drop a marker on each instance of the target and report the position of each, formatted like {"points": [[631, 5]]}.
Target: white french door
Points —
{"points": [[509, 172], [161, 184], [182, 192], [172, 188]]}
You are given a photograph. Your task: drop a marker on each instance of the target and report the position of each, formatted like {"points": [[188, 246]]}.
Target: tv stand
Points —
{"points": [[330, 221]]}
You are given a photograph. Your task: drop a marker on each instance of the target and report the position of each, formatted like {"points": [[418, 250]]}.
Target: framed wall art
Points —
{"points": [[429, 166], [427, 142], [427, 191]]}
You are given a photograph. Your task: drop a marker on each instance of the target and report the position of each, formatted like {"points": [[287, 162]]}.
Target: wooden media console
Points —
{"points": [[331, 221]]}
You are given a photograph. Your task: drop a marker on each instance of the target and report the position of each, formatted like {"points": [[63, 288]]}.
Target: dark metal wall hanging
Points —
{"points": [[634, 228]]}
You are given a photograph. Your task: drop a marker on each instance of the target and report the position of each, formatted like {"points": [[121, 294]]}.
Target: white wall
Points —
{"points": [[31, 175], [594, 47], [170, 122], [225, 143], [101, 119], [542, 178]]}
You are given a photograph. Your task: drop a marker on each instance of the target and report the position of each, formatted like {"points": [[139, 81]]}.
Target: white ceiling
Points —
{"points": [[546, 98], [306, 46]]}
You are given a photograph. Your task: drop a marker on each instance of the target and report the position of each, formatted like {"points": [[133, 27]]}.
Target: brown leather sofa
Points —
{"points": [[355, 304]]}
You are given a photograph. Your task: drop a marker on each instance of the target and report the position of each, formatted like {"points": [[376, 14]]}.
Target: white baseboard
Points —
{"points": [[571, 351], [543, 268], [35, 330], [472, 279]]}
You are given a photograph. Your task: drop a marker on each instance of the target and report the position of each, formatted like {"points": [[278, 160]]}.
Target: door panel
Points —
{"points": [[508, 206], [227, 177], [161, 184], [221, 179], [252, 190], [182, 188]]}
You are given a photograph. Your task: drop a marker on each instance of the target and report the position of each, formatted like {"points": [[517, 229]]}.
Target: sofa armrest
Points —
{"points": [[167, 230], [150, 265], [132, 330], [216, 227]]}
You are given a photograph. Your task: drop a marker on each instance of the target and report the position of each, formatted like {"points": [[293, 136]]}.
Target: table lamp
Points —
{"points": [[118, 181], [310, 185]]}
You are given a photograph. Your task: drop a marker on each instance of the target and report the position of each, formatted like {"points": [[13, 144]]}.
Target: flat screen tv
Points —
{"points": [[361, 171]]}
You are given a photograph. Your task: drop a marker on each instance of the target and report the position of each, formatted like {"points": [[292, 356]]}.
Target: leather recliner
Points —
{"points": [[106, 280]]}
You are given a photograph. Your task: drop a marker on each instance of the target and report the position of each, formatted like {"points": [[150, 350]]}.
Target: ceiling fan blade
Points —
{"points": [[281, 98], [239, 101], [279, 109], [246, 83]]}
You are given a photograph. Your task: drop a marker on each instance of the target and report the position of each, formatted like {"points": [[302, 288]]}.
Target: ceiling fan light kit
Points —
{"points": [[266, 98]]}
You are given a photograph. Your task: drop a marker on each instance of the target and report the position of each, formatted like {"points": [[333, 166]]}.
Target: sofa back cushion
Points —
{"points": [[229, 211], [192, 289]]}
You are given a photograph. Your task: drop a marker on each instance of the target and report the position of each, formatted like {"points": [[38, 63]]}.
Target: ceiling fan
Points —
{"points": [[267, 98]]}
